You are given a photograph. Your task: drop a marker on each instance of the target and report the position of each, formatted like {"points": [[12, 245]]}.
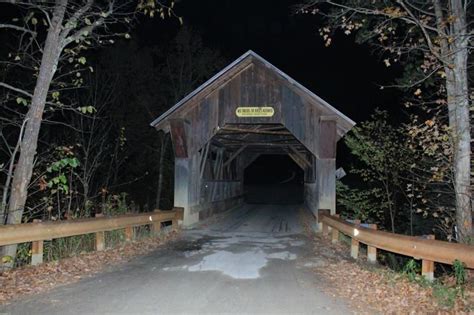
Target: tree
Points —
{"points": [[52, 36], [155, 80], [375, 144], [186, 64], [431, 39], [406, 176]]}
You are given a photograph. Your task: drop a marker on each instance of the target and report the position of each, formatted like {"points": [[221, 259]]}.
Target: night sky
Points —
{"points": [[346, 75]]}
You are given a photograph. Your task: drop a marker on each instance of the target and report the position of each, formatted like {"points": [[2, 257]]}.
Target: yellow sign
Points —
{"points": [[254, 111]]}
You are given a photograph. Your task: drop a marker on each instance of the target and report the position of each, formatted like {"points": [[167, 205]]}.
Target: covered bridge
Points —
{"points": [[248, 109]]}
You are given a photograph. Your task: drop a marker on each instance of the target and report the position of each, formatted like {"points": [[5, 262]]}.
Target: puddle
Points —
{"points": [[244, 265], [186, 246]]}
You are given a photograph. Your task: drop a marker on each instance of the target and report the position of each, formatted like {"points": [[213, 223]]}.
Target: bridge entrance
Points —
{"points": [[274, 179], [248, 113]]}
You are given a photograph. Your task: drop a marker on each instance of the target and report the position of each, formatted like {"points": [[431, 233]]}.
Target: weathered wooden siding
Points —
{"points": [[253, 84], [252, 87], [212, 191]]}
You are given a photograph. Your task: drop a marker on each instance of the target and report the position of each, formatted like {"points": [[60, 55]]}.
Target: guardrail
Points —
{"points": [[38, 232], [425, 248]]}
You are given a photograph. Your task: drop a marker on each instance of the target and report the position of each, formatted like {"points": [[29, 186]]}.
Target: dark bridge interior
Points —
{"points": [[274, 179]]}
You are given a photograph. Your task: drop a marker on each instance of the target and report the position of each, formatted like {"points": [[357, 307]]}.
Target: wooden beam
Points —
{"points": [[427, 266], [355, 243], [419, 248], [233, 156], [204, 159], [36, 253], [250, 159], [129, 233], [327, 138], [302, 157], [372, 251], [257, 131], [296, 160], [178, 137], [30, 232], [258, 140]]}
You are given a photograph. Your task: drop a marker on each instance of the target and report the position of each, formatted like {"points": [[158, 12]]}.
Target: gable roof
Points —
{"points": [[344, 122]]}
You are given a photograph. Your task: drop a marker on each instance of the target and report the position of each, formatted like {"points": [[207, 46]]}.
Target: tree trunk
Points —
{"points": [[461, 131], [24, 167], [455, 55]]}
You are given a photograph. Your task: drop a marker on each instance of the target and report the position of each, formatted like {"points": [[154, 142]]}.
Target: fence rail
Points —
{"points": [[427, 249], [38, 232]]}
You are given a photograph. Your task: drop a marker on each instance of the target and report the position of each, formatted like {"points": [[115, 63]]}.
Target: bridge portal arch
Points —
{"points": [[248, 109]]}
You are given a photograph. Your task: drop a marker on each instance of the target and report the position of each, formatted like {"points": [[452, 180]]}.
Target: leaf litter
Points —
{"points": [[30, 280], [376, 289]]}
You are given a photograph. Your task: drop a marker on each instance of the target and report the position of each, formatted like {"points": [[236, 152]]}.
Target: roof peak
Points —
{"points": [[251, 53]]}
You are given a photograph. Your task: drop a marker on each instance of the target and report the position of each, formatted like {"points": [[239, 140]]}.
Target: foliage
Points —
{"points": [[445, 296], [376, 145], [46, 61], [403, 176], [430, 43], [411, 269], [68, 246], [362, 204], [59, 171], [460, 272]]}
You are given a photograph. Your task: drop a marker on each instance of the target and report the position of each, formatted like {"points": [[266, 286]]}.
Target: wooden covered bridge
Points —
{"points": [[257, 259], [248, 109]]}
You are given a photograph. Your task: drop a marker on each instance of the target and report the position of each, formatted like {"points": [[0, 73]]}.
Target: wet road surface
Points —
{"points": [[256, 260]]}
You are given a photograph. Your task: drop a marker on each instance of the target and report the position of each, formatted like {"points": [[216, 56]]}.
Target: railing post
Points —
{"points": [[324, 228], [129, 233], [335, 233], [99, 241], [174, 223], [99, 236], [37, 249], [36, 253], [355, 244], [372, 251], [156, 228], [427, 266]]}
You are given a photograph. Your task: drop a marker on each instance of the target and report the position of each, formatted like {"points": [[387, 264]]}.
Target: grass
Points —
{"points": [[65, 247], [445, 295]]}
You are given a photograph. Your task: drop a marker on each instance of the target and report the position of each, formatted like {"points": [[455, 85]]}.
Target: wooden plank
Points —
{"points": [[355, 243], [234, 155], [30, 232], [178, 136], [326, 184], [296, 160], [327, 139], [156, 228], [419, 248], [36, 253], [204, 159], [256, 131], [129, 233], [300, 156], [427, 266], [371, 250], [99, 241]]}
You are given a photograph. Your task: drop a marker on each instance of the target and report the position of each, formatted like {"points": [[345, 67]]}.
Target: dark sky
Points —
{"points": [[346, 75]]}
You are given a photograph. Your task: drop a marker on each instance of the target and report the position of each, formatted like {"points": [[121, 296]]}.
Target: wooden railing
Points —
{"points": [[220, 190], [425, 248], [38, 232]]}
